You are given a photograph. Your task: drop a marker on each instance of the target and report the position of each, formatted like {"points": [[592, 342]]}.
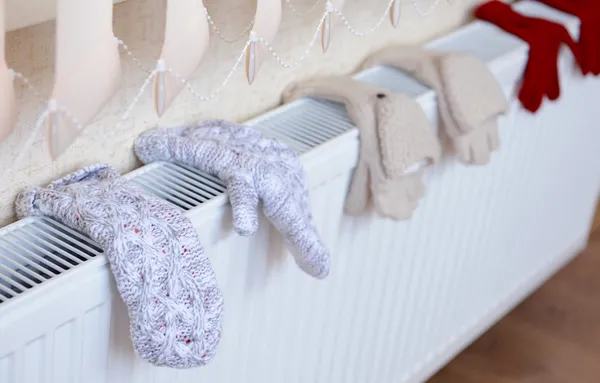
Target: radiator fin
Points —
{"points": [[306, 123], [38, 250]]}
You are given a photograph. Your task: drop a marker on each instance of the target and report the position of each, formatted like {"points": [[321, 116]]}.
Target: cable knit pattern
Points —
{"points": [[469, 97], [162, 274], [396, 143], [253, 167]]}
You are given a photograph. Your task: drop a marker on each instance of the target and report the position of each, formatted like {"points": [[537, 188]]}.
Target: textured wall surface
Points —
{"points": [[140, 24]]}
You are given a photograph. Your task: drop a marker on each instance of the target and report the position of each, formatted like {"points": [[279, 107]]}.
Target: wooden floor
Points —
{"points": [[552, 337]]}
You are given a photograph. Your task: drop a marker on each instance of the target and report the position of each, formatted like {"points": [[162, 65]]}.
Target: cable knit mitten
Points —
{"points": [[253, 167], [396, 144], [162, 274], [470, 100]]}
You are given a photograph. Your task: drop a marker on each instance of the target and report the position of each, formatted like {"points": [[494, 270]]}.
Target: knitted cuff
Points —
{"points": [[154, 145], [25, 203]]}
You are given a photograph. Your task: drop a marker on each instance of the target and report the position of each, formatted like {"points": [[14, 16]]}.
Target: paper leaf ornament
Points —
{"points": [[326, 26], [266, 24], [395, 13], [186, 42], [87, 68]]}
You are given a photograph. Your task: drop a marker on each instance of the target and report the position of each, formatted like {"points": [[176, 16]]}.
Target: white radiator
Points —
{"points": [[402, 297]]}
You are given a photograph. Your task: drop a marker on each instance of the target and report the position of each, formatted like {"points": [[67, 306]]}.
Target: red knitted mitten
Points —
{"points": [[588, 12], [544, 39]]}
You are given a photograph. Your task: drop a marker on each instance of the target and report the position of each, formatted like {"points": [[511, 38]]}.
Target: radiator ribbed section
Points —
{"points": [[179, 184], [75, 350], [38, 250], [306, 124]]}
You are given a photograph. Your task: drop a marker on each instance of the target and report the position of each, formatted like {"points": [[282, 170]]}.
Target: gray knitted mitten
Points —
{"points": [[166, 281], [252, 167], [396, 143], [469, 98]]}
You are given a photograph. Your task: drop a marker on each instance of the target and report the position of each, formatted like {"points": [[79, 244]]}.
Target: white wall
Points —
{"points": [[140, 24]]}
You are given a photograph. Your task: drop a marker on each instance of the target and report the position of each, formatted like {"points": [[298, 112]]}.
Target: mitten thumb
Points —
{"points": [[244, 203]]}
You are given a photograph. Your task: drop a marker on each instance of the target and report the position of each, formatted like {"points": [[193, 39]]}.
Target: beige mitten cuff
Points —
{"points": [[396, 143]]}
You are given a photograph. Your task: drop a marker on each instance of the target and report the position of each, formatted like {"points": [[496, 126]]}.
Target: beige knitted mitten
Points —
{"points": [[469, 98], [396, 143]]}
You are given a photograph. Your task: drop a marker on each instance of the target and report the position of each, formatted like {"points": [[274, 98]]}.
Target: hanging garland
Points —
{"points": [[255, 47]]}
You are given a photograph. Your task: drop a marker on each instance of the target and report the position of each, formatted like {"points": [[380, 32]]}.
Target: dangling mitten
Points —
{"points": [[396, 143], [162, 274], [545, 39], [253, 167], [588, 12], [470, 100]]}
